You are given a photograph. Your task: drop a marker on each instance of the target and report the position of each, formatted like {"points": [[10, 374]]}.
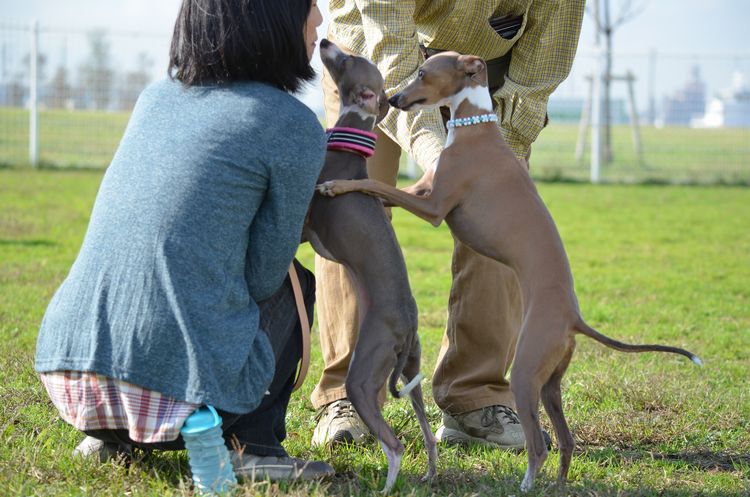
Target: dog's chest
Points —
{"points": [[317, 244]]}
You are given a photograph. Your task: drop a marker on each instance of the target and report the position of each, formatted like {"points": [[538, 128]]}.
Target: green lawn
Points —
{"points": [[671, 155], [66, 138], [652, 264]]}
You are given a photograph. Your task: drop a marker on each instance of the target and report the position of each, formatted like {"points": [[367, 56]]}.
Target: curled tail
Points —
{"points": [[587, 330], [406, 388], [398, 369]]}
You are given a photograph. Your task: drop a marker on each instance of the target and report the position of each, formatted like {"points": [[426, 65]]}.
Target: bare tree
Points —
{"points": [[41, 66], [606, 26], [97, 74], [16, 91], [135, 81], [60, 91], [18, 87]]}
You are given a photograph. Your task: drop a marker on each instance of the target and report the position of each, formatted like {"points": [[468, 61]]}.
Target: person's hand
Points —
{"points": [[525, 160], [423, 186]]}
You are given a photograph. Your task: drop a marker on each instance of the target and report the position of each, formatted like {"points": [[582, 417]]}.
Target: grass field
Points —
{"points": [[652, 264], [671, 155]]}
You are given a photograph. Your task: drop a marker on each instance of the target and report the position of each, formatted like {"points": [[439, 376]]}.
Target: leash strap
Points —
{"points": [[305, 325], [352, 140]]}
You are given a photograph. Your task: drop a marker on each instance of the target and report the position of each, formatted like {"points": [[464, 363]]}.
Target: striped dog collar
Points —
{"points": [[352, 140]]}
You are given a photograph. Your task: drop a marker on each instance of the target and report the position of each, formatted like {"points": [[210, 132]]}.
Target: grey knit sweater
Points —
{"points": [[196, 219]]}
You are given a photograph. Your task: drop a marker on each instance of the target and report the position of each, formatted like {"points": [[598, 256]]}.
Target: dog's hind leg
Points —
{"points": [[369, 369], [537, 358], [527, 402], [366, 404], [411, 370], [552, 400]]}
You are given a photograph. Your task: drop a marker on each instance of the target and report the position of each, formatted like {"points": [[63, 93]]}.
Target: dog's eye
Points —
{"points": [[420, 74]]}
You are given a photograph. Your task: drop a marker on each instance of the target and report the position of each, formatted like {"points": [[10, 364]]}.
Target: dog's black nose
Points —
{"points": [[394, 100], [324, 43]]}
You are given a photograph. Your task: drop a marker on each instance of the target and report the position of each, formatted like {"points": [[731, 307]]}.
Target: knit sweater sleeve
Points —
{"points": [[277, 226]]}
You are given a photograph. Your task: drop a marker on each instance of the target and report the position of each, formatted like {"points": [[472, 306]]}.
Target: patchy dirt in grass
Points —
{"points": [[11, 227], [702, 460]]}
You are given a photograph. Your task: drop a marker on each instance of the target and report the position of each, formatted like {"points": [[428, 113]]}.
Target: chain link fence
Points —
{"points": [[674, 117], [79, 86], [66, 96]]}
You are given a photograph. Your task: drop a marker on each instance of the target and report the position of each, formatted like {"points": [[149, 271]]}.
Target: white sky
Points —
{"points": [[683, 29], [689, 25]]}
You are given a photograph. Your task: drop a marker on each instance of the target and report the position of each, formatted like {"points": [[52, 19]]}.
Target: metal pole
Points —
{"points": [[634, 124], [4, 63], [585, 121], [596, 116], [651, 92], [34, 96], [607, 83], [596, 79]]}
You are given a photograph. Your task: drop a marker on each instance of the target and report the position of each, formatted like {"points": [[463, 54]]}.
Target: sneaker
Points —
{"points": [[103, 451], [252, 467], [338, 422], [496, 426]]}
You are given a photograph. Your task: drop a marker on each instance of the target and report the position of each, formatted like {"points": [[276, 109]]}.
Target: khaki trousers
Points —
{"points": [[484, 313]]}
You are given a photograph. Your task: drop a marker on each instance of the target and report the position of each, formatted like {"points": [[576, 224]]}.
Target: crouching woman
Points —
{"points": [[179, 296]]}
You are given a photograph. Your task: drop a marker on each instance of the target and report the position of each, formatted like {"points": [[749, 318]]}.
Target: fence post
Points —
{"points": [[596, 118], [34, 96], [585, 122]]}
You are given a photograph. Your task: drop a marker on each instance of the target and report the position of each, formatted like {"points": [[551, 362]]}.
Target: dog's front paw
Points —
{"points": [[331, 188], [325, 189]]}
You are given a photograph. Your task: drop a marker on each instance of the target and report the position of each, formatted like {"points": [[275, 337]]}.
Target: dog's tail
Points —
{"points": [[396, 374], [587, 330]]}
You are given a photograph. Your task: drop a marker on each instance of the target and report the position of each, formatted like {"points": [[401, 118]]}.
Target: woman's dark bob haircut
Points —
{"points": [[222, 41]]}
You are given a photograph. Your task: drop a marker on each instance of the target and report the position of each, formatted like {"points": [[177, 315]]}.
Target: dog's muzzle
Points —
{"points": [[398, 101]]}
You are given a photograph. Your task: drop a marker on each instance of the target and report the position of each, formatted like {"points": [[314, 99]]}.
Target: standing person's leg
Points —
{"points": [[469, 383], [338, 320], [485, 312]]}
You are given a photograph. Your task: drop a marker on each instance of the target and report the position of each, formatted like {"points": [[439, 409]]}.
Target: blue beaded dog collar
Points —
{"points": [[468, 121]]}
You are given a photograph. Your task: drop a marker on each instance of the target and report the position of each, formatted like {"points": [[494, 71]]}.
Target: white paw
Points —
{"points": [[325, 189], [527, 484]]}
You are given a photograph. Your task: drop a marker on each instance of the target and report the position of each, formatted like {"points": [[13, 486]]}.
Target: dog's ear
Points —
{"points": [[474, 67], [383, 107], [367, 100]]}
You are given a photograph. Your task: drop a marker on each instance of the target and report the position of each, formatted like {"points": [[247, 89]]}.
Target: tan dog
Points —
{"points": [[491, 204]]}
